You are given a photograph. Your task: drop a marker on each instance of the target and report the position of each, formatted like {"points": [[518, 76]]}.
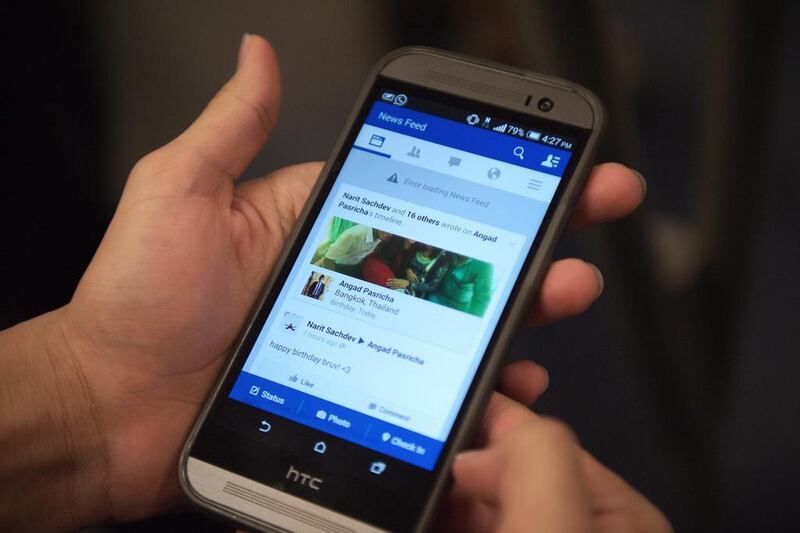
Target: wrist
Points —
{"points": [[55, 462]]}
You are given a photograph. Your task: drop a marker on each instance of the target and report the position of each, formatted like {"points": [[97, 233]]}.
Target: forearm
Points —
{"points": [[52, 460]]}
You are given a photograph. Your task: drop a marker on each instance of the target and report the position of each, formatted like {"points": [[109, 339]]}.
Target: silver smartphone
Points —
{"points": [[370, 356]]}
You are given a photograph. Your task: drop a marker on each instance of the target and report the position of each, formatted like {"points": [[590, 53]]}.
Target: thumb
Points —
{"points": [[533, 475], [227, 135]]}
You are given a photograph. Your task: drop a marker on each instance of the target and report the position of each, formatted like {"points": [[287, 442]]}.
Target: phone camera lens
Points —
{"points": [[545, 105]]}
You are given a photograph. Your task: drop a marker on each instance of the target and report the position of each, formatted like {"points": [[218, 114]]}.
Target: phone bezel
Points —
{"points": [[490, 84]]}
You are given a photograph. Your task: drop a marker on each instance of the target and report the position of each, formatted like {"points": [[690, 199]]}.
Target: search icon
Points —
{"points": [[519, 151]]}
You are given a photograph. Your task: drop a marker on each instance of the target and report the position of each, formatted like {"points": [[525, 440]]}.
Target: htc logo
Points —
{"points": [[304, 479]]}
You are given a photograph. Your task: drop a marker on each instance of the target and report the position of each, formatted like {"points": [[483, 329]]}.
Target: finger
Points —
{"points": [[523, 381], [617, 505], [228, 134], [534, 476], [465, 514], [568, 289], [266, 210], [612, 191], [502, 416]]}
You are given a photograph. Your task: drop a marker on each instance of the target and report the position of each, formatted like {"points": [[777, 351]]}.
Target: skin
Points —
{"points": [[532, 475], [99, 395]]}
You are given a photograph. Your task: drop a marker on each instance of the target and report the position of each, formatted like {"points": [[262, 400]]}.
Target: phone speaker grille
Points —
{"points": [[475, 86], [276, 506]]}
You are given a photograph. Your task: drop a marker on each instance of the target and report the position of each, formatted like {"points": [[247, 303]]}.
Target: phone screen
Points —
{"points": [[394, 290]]}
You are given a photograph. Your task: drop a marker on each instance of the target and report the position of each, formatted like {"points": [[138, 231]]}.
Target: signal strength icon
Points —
{"points": [[501, 128]]}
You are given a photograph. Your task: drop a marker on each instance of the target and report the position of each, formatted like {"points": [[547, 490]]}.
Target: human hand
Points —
{"points": [[532, 475], [411, 275], [397, 283], [136, 350]]}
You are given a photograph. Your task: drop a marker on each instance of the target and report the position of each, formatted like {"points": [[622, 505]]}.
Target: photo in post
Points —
{"points": [[405, 265]]}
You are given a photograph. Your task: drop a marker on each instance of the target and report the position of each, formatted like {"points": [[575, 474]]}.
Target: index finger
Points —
{"points": [[503, 415], [612, 191]]}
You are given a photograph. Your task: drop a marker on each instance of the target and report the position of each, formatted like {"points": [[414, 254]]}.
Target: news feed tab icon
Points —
{"points": [[400, 99], [551, 161], [377, 468], [388, 96], [473, 119], [320, 447], [376, 140], [493, 173]]}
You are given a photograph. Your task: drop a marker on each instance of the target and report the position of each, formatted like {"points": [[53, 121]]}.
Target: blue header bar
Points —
{"points": [[473, 139]]}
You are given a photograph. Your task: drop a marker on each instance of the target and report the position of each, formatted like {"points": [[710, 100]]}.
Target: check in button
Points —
{"points": [[403, 444], [398, 441]]}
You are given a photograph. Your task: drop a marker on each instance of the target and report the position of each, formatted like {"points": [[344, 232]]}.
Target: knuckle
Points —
{"points": [[146, 165], [151, 164], [557, 432], [259, 113]]}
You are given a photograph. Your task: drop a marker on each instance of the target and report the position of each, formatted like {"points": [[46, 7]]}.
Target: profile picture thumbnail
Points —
{"points": [[316, 285]]}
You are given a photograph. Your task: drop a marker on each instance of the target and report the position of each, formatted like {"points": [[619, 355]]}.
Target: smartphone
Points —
{"points": [[377, 341]]}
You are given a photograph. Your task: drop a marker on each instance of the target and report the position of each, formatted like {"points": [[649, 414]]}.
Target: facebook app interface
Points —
{"points": [[382, 322]]}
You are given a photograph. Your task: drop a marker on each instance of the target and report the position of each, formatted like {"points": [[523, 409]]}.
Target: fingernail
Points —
{"points": [[642, 181], [243, 46], [546, 377], [600, 279]]}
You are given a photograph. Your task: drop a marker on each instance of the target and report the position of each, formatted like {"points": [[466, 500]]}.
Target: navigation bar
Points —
{"points": [[334, 419], [457, 163]]}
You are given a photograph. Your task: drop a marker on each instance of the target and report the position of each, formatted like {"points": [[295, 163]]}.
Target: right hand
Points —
{"points": [[532, 476]]}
